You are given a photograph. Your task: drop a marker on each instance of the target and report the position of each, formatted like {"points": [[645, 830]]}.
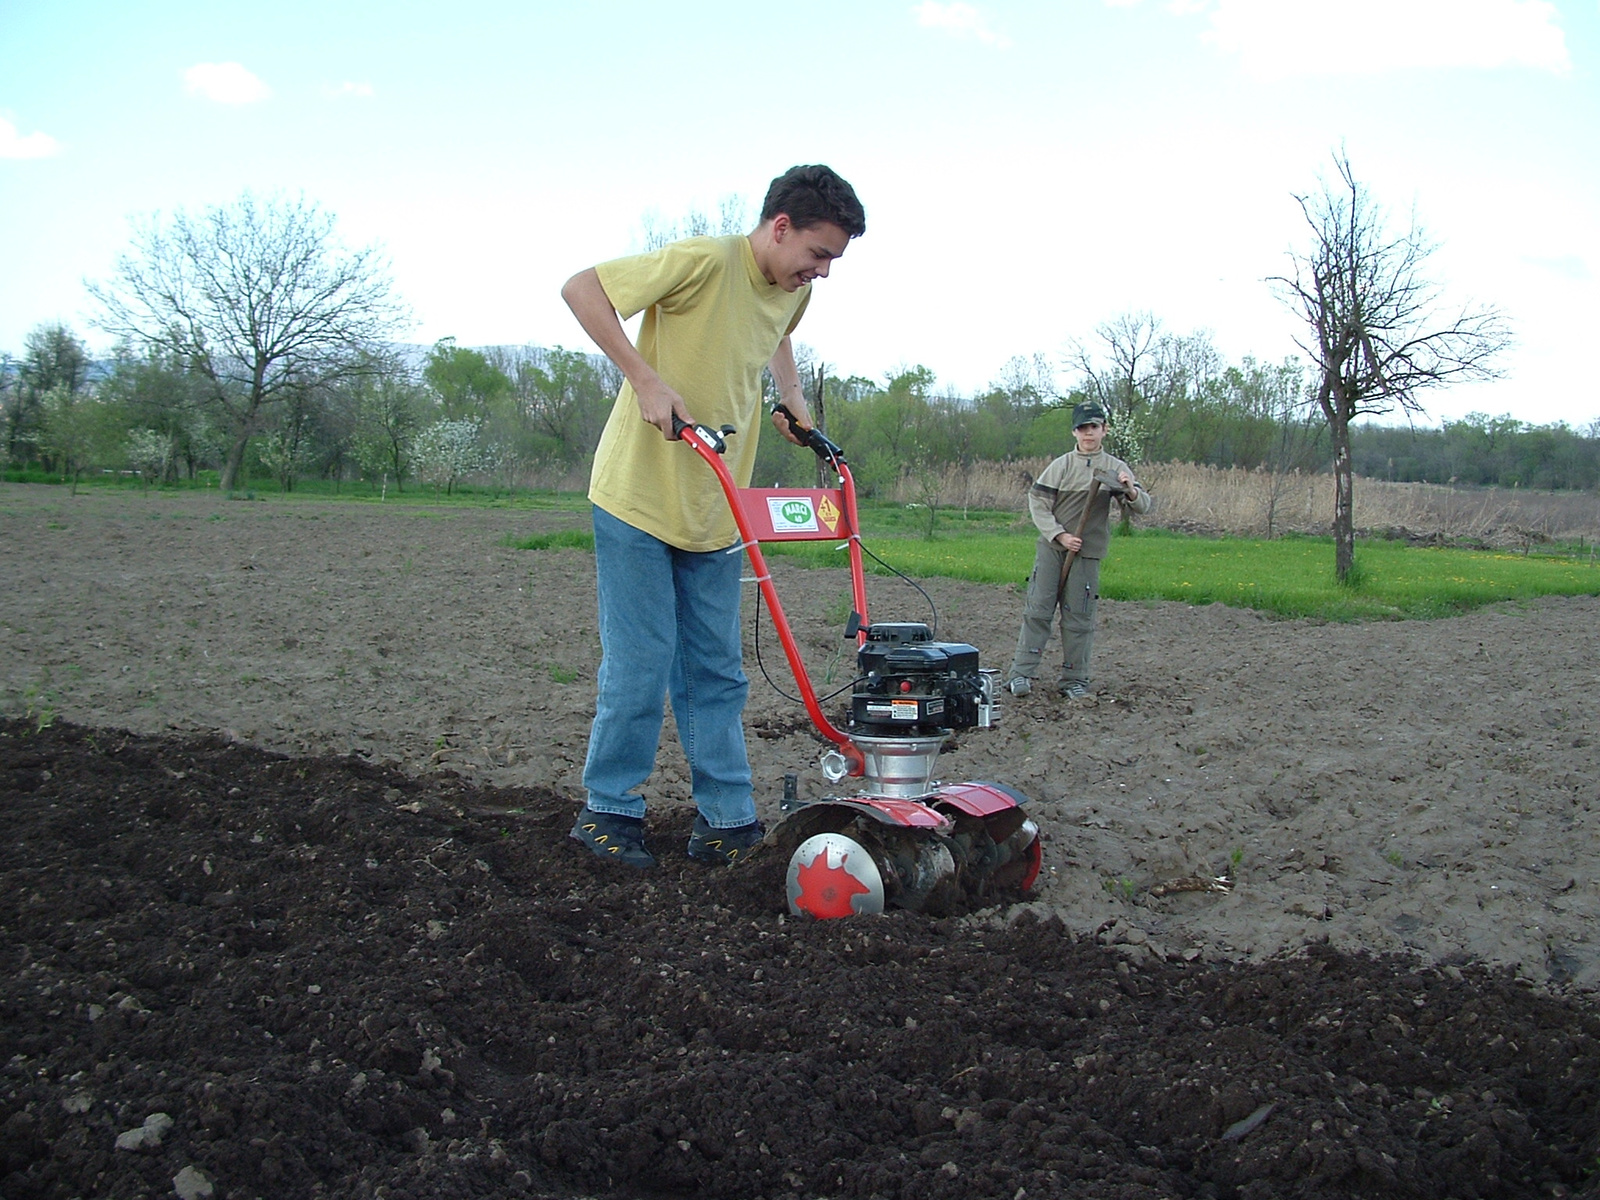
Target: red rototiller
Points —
{"points": [[902, 837]]}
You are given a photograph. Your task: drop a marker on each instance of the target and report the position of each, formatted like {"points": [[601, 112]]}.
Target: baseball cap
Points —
{"points": [[1088, 412]]}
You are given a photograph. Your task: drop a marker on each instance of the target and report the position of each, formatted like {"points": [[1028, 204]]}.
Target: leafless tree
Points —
{"points": [[732, 217], [818, 402], [257, 298], [1378, 334], [1141, 375], [1118, 372]]}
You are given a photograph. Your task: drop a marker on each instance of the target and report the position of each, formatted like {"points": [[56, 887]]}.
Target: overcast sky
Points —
{"points": [[1030, 170]]}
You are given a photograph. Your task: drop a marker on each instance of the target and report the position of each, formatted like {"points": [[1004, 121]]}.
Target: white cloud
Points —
{"points": [[34, 145], [960, 20], [226, 83], [1276, 38], [362, 91]]}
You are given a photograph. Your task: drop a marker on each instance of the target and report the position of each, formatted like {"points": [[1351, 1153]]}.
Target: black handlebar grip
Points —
{"points": [[814, 438]]}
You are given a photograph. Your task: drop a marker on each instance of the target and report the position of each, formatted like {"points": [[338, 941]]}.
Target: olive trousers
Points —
{"points": [[1076, 604]]}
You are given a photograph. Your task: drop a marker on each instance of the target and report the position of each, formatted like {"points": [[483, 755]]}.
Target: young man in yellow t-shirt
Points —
{"points": [[717, 310]]}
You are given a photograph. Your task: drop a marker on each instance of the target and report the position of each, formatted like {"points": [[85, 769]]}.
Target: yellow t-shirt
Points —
{"points": [[713, 323]]}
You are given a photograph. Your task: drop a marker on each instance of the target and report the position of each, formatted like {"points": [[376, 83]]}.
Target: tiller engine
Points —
{"points": [[901, 837]]}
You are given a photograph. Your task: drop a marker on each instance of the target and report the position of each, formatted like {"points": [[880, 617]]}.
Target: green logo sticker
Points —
{"points": [[792, 514]]}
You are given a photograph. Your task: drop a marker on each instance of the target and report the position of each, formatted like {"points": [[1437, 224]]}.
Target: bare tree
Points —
{"points": [[1119, 374], [1294, 426], [1140, 374], [732, 217], [257, 298], [819, 412], [1378, 334]]}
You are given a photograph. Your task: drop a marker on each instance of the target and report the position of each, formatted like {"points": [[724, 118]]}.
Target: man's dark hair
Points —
{"points": [[812, 195]]}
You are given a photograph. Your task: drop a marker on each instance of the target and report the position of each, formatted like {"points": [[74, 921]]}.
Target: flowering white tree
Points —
{"points": [[285, 453], [445, 451], [149, 451]]}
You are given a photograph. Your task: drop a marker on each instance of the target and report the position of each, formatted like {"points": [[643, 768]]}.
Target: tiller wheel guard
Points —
{"points": [[904, 838]]}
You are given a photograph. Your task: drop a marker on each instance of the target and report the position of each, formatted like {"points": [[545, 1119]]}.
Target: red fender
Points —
{"points": [[1001, 809], [979, 798], [908, 814]]}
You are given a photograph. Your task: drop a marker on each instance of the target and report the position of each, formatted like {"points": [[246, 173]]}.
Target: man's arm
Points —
{"points": [[588, 301], [793, 397]]}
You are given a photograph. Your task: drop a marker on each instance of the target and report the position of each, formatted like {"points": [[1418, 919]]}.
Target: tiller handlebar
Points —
{"points": [[817, 515]]}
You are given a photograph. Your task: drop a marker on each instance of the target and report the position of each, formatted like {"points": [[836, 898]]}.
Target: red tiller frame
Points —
{"points": [[759, 515]]}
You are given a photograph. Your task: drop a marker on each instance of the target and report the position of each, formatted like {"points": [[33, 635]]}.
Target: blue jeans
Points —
{"points": [[669, 626]]}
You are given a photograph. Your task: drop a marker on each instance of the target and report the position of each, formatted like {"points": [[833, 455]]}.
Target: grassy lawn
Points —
{"points": [[1291, 576], [1294, 576]]}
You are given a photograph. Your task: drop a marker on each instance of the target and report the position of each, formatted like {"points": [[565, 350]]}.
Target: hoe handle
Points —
{"points": [[1083, 523]]}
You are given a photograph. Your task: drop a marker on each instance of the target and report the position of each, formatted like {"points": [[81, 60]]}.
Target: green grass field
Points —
{"points": [[1290, 577]]}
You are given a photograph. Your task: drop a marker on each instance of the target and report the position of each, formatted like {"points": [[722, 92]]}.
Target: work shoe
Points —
{"points": [[711, 845], [1020, 686], [1074, 690], [612, 837]]}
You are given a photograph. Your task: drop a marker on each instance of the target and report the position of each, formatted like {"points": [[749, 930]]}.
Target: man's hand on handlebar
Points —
{"points": [[790, 426], [659, 405], [805, 434]]}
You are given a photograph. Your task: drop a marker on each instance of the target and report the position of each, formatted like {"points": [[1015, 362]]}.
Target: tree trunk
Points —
{"points": [[234, 463], [1344, 532], [819, 417]]}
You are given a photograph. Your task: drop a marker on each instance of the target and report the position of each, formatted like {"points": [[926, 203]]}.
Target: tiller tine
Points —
{"points": [[855, 856]]}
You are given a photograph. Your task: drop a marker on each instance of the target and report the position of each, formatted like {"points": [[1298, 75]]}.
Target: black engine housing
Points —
{"points": [[908, 683]]}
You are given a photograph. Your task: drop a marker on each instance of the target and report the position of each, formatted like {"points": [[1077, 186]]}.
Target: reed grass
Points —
{"points": [[1262, 504]]}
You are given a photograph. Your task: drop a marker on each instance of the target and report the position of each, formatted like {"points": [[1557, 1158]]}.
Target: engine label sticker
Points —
{"points": [[792, 514], [904, 710]]}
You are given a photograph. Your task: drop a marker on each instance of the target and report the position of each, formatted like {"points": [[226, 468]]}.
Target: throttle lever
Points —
{"points": [[717, 439]]}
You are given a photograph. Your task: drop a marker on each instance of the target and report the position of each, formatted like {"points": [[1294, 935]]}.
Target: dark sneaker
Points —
{"points": [[611, 837], [707, 844]]}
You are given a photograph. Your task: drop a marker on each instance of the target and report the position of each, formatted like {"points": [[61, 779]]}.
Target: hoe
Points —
{"points": [[900, 837]]}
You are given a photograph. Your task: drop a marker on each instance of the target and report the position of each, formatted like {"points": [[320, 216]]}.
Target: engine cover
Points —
{"points": [[907, 682]]}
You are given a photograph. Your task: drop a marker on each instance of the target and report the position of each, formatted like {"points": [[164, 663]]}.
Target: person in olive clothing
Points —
{"points": [[1056, 502]]}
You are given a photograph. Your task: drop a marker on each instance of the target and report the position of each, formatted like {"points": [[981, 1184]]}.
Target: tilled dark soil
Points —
{"points": [[339, 980]]}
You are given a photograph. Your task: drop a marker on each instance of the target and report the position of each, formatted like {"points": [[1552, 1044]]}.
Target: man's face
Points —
{"points": [[1090, 436], [801, 255]]}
